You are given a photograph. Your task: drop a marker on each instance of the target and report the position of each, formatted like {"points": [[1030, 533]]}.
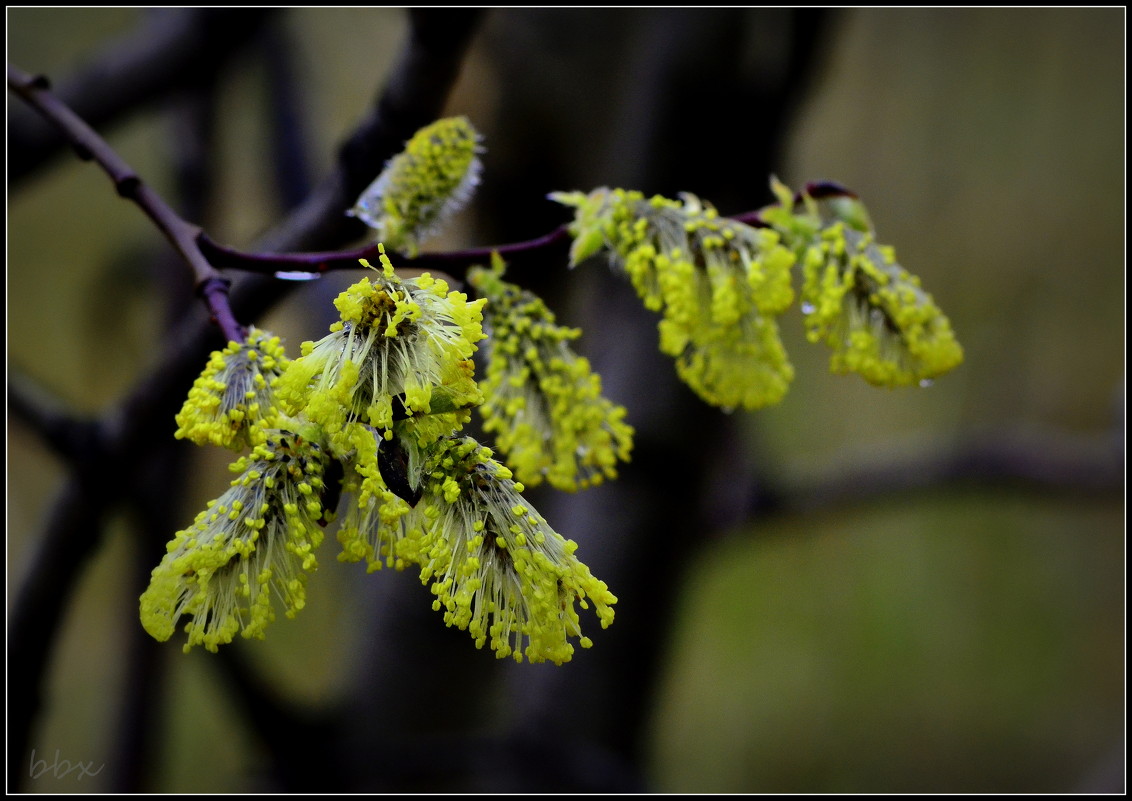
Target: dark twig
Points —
{"points": [[206, 256], [453, 261], [35, 91]]}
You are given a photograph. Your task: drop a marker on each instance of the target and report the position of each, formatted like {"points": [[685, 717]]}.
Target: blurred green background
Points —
{"points": [[964, 639]]}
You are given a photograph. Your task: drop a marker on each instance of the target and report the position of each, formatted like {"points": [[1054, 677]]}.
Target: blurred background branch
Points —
{"points": [[172, 50], [69, 436], [1041, 463]]}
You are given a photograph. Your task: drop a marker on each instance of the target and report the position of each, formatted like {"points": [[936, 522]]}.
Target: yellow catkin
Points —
{"points": [[232, 403], [542, 401], [423, 185], [402, 345], [872, 313], [718, 284], [495, 567], [254, 543]]}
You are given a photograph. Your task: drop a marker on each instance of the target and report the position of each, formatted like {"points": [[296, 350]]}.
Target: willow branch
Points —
{"points": [[212, 286], [206, 256], [453, 261]]}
